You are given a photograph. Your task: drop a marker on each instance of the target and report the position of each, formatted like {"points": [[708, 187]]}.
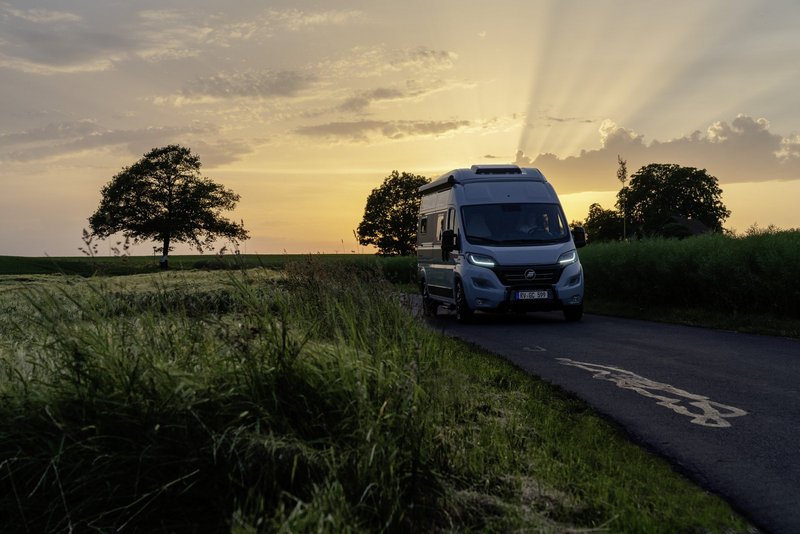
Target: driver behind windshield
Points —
{"points": [[534, 223]]}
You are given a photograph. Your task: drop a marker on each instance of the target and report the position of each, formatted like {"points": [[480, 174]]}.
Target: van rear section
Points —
{"points": [[494, 238]]}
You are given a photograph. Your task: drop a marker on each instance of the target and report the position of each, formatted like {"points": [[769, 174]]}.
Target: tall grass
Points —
{"points": [[755, 274], [310, 401]]}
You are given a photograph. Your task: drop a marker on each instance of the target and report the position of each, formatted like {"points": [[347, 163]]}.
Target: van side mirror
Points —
{"points": [[579, 236], [449, 243]]}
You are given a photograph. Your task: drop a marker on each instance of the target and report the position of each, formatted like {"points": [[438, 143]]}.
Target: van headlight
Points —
{"points": [[568, 258], [481, 261]]}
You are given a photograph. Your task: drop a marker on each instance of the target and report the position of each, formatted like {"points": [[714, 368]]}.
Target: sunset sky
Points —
{"points": [[304, 107]]}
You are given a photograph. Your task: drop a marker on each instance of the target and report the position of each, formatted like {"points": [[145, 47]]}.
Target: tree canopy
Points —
{"points": [[602, 224], [660, 195], [163, 197], [390, 216]]}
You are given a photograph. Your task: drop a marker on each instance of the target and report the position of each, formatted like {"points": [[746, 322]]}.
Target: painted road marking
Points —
{"points": [[535, 348], [712, 414]]}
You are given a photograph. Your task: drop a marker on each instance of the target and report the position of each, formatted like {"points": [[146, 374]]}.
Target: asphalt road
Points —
{"points": [[723, 407]]}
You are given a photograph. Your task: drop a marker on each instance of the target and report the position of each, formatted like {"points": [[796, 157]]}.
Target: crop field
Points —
{"points": [[305, 398], [745, 283]]}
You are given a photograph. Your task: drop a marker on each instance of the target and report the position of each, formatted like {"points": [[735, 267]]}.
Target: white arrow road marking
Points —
{"points": [[711, 413]]}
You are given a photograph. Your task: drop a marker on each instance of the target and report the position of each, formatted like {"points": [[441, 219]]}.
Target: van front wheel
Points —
{"points": [[463, 311]]}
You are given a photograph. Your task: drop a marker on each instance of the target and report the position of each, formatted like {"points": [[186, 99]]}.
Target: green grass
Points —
{"points": [[396, 269], [739, 283], [309, 399]]}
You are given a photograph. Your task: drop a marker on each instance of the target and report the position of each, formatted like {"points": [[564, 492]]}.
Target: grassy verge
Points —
{"points": [[310, 400]]}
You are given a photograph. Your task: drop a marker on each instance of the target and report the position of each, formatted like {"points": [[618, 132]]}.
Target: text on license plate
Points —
{"points": [[533, 295]]}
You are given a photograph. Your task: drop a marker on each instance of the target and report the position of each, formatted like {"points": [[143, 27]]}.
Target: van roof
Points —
{"points": [[484, 173]]}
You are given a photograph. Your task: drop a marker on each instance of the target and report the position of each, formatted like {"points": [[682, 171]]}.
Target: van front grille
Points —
{"points": [[530, 275]]}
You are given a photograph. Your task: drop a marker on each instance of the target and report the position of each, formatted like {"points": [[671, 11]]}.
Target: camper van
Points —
{"points": [[495, 238]]}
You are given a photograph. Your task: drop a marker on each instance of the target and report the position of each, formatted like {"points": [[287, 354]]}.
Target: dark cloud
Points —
{"points": [[253, 84], [423, 58], [360, 102], [64, 139], [361, 131], [49, 41], [550, 118], [743, 151], [63, 46]]}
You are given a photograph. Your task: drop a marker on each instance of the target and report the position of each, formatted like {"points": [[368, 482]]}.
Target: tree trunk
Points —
{"points": [[164, 262]]}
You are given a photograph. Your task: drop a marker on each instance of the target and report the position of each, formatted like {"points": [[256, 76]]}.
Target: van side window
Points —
{"points": [[440, 220], [423, 226], [451, 219]]}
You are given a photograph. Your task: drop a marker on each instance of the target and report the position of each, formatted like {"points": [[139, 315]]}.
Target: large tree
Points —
{"points": [[659, 195], [390, 217], [602, 224], [163, 197]]}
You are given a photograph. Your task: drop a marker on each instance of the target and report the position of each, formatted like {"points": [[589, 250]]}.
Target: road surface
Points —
{"points": [[723, 407]]}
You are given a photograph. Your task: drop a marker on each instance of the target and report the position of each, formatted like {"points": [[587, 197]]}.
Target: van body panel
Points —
{"points": [[510, 246]]}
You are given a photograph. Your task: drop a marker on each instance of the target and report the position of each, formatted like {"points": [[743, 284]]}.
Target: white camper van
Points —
{"points": [[494, 238]]}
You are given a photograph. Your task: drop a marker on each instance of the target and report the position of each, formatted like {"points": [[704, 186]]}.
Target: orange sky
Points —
{"points": [[303, 107]]}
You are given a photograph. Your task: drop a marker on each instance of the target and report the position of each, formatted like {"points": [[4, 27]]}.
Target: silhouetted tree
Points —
{"points": [[603, 225], [163, 197], [660, 195], [390, 216]]}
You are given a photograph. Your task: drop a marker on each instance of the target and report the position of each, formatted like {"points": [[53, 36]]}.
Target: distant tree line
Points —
{"points": [[164, 197], [661, 199]]}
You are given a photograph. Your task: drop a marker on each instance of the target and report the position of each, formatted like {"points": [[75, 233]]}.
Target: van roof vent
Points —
{"points": [[496, 169]]}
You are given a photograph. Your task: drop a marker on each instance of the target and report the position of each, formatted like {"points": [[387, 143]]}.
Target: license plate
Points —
{"points": [[538, 294]]}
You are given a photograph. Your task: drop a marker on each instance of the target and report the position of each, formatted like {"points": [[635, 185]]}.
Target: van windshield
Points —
{"points": [[514, 224]]}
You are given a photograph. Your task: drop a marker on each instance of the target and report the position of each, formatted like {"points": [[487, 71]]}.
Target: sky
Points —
{"points": [[303, 107]]}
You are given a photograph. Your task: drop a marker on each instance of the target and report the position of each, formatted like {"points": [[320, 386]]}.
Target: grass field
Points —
{"points": [[738, 283], [305, 399], [396, 269]]}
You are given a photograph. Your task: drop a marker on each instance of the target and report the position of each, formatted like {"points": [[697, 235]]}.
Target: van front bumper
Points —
{"points": [[485, 291]]}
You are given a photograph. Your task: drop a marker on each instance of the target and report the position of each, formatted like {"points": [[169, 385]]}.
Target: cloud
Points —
{"points": [[376, 61], [361, 101], [297, 20], [744, 150], [550, 118], [362, 131], [73, 138], [410, 91], [46, 42], [264, 83], [423, 58], [38, 15]]}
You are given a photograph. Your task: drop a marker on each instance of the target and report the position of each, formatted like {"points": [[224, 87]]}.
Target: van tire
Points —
{"points": [[429, 306], [573, 313], [463, 311]]}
